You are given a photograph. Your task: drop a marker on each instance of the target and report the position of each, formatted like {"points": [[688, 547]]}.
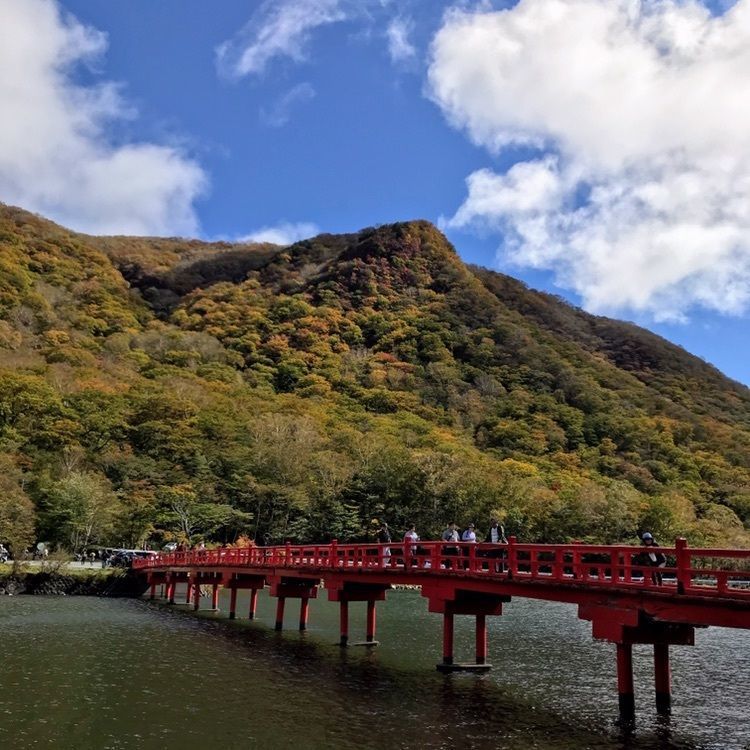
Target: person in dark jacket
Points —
{"points": [[496, 535], [654, 557], [450, 535], [384, 537]]}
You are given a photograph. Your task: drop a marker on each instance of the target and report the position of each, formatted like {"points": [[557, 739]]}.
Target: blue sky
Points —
{"points": [[257, 119]]}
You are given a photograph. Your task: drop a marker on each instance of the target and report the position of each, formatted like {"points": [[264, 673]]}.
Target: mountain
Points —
{"points": [[161, 388]]}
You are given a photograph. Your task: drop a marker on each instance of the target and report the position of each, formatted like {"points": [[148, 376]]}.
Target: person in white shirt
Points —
{"points": [[469, 535], [450, 535], [410, 544], [496, 534]]}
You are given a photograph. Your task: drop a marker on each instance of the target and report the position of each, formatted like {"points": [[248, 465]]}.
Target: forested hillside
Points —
{"points": [[155, 389]]}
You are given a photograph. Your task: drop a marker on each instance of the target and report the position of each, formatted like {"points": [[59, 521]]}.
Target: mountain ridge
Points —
{"points": [[406, 383]]}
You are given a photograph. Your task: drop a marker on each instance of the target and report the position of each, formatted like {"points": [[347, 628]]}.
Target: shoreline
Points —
{"points": [[63, 581]]}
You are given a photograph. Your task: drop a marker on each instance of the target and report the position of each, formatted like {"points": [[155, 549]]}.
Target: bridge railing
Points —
{"points": [[700, 572]]}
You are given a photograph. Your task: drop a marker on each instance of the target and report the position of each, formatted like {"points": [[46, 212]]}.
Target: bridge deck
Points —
{"points": [[703, 586]]}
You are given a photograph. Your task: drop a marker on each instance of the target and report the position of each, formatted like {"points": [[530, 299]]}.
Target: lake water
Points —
{"points": [[93, 674]]}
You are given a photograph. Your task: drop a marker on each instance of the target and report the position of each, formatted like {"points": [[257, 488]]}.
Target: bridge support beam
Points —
{"points": [[627, 627], [481, 639], [662, 681], [448, 639], [451, 598], [280, 613], [197, 595], [236, 581], [154, 579], [232, 603], [292, 587], [344, 622], [625, 691], [171, 586], [342, 591], [188, 591], [304, 605], [370, 628], [200, 578]]}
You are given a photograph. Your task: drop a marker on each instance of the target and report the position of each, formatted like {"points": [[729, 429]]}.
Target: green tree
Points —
{"points": [[80, 509], [17, 513]]}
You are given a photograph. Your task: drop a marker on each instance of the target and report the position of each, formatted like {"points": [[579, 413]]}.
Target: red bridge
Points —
{"points": [[626, 601]]}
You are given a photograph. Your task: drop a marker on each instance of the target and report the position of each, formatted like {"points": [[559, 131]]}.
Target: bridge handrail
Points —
{"points": [[570, 563]]}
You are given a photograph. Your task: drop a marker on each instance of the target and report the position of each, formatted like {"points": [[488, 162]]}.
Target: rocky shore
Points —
{"points": [[66, 583]]}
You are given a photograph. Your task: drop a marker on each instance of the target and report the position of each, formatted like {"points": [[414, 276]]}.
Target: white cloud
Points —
{"points": [[279, 28], [639, 197], [55, 157], [399, 47], [279, 113], [284, 233]]}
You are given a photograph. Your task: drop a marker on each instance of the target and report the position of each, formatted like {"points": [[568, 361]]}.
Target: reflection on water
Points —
{"points": [[96, 673]]}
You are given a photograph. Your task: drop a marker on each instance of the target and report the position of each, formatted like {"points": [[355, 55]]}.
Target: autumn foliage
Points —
{"points": [[163, 389]]}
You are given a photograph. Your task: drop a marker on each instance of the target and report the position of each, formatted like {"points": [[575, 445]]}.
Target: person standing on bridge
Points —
{"points": [[450, 535], [384, 537], [496, 535], [410, 545], [656, 558], [469, 536]]}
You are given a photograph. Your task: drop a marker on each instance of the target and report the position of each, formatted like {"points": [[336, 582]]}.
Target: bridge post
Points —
{"points": [[447, 638], [662, 679], [280, 613], [197, 594], [171, 586], [344, 622], [215, 597], [512, 556], [625, 691], [188, 591], [152, 591], [233, 603], [304, 605], [253, 604], [683, 565], [481, 639], [370, 637]]}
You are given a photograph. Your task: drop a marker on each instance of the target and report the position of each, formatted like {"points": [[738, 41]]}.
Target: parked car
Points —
{"points": [[122, 559]]}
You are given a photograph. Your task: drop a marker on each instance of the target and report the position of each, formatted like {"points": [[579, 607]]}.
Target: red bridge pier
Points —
{"points": [[155, 579], [291, 587], [625, 690], [626, 628], [236, 581], [204, 578], [344, 592], [662, 679], [455, 598]]}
